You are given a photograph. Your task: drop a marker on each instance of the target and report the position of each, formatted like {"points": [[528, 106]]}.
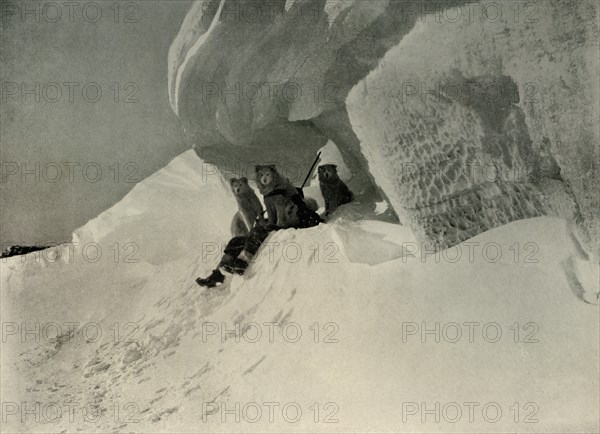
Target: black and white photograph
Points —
{"points": [[300, 216]]}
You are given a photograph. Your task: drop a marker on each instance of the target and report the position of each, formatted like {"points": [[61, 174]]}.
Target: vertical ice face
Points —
{"points": [[489, 134], [453, 168]]}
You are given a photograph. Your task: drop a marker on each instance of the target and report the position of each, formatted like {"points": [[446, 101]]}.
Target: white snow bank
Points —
{"points": [[332, 320]]}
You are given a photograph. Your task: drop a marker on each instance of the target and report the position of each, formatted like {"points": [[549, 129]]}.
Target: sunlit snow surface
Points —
{"points": [[361, 293]]}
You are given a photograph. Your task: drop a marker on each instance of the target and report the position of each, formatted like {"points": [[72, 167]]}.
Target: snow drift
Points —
{"points": [[348, 326]]}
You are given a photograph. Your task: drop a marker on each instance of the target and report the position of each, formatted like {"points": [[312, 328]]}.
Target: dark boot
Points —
{"points": [[234, 265], [211, 281]]}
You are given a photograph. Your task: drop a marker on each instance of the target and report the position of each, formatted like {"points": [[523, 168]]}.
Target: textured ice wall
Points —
{"points": [[468, 125]]}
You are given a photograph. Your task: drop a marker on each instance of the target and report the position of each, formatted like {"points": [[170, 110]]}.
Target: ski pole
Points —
{"points": [[311, 170]]}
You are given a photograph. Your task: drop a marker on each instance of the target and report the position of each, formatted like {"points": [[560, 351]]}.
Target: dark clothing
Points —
{"points": [[253, 240], [307, 217], [216, 278], [250, 243], [235, 246]]}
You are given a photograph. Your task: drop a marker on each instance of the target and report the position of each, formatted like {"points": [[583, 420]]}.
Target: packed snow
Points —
{"points": [[348, 326]]}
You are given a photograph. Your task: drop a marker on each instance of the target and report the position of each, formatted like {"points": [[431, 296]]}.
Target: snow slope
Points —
{"points": [[359, 292]]}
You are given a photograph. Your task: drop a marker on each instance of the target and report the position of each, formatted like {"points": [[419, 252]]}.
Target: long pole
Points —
{"points": [[311, 170]]}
